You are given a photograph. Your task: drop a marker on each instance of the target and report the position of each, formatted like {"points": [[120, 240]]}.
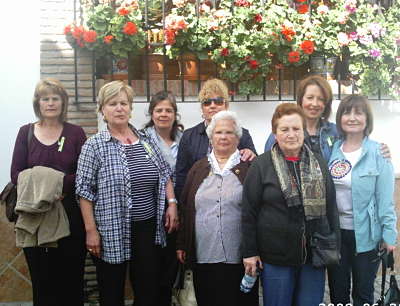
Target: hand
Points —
{"points": [[247, 155], [181, 255], [93, 242], [389, 248], [385, 151], [171, 218], [250, 265]]}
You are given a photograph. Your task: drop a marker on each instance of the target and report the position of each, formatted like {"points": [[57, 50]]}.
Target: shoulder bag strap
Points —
{"points": [[384, 258], [30, 135]]}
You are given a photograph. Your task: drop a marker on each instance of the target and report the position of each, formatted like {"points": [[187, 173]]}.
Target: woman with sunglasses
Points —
{"points": [[195, 144]]}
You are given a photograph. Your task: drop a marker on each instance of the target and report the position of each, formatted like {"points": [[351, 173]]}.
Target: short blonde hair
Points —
{"points": [[46, 87], [214, 87], [112, 89]]}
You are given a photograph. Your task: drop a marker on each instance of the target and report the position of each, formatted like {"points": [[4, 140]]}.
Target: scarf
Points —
{"points": [[313, 193]]}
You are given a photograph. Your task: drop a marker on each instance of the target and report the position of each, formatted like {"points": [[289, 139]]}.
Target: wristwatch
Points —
{"points": [[173, 200]]}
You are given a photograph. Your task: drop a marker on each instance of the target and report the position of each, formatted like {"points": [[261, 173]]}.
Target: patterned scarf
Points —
{"points": [[312, 187]]}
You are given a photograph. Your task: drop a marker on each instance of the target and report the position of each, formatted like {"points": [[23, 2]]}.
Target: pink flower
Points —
{"points": [[353, 36], [365, 39], [375, 52], [376, 29], [350, 6]]}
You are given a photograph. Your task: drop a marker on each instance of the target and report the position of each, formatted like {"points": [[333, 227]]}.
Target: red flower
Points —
{"points": [[169, 36], [90, 36], [294, 56], [253, 64], [288, 33], [258, 18], [243, 3], [302, 8], [67, 29], [130, 28], [307, 46], [108, 39], [300, 1], [123, 11], [225, 52], [78, 32]]}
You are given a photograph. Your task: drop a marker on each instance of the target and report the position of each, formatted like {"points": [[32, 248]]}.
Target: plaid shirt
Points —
{"points": [[103, 178]]}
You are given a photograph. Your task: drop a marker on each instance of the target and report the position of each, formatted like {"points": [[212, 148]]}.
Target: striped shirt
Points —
{"points": [[103, 178], [144, 179]]}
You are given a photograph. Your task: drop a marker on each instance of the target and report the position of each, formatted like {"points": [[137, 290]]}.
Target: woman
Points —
{"points": [[209, 239], [194, 144], [364, 183], [164, 126], [124, 186], [56, 273], [166, 131], [288, 199], [314, 96]]}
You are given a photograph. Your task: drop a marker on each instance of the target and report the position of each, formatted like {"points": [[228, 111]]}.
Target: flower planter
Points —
{"points": [[324, 66], [191, 68]]}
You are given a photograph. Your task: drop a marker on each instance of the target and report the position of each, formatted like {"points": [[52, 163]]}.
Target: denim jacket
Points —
{"points": [[327, 136], [372, 190]]}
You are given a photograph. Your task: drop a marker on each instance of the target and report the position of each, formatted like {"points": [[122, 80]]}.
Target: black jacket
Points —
{"points": [[273, 231], [194, 146]]}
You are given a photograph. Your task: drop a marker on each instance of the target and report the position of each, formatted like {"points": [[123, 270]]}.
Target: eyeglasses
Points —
{"points": [[217, 101]]}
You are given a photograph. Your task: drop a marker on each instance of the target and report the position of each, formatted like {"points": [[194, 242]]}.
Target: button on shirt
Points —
{"points": [[218, 215]]}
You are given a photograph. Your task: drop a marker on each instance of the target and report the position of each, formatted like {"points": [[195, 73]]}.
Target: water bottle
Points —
{"points": [[248, 282]]}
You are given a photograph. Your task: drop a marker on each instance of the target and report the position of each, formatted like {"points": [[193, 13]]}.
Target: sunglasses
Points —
{"points": [[217, 101]]}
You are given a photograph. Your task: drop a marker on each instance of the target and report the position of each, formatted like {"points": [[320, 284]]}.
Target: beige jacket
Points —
{"points": [[42, 219]]}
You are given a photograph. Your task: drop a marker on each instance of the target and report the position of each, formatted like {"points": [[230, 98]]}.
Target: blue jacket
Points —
{"points": [[372, 190], [327, 135], [194, 146]]}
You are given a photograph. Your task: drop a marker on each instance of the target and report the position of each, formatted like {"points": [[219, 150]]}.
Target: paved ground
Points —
{"points": [[326, 298]]}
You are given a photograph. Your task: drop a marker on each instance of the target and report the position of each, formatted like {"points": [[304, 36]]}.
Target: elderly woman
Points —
{"points": [[209, 238], [124, 185], [195, 144], [166, 131], [364, 183], [288, 201], [56, 273]]}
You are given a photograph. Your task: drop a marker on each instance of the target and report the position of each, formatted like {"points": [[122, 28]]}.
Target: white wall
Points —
{"points": [[20, 71], [256, 116]]}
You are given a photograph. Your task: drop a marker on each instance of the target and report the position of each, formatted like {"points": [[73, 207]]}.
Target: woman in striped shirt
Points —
{"points": [[124, 185]]}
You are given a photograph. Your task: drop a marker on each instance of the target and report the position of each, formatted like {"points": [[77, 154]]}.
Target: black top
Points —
{"points": [[194, 146], [270, 228]]}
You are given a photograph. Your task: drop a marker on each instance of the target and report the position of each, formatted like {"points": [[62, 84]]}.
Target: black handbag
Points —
{"points": [[8, 197], [324, 249], [392, 296]]}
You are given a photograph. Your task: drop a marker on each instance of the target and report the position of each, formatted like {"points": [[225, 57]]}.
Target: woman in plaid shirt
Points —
{"points": [[123, 184]]}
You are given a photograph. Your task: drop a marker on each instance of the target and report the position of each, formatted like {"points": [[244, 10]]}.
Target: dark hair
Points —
{"points": [[46, 87], [159, 97], [326, 92], [286, 109], [355, 101]]}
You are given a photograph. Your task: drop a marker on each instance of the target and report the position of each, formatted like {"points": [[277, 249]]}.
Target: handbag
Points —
{"points": [[324, 249], [184, 288], [8, 197], [392, 296]]}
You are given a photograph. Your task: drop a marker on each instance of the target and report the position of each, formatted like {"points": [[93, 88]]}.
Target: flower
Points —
{"points": [[169, 37], [123, 11], [130, 28], [108, 39], [225, 52], [343, 39], [351, 6], [294, 56], [89, 36], [322, 9], [375, 53], [179, 3], [242, 3], [258, 18], [253, 64], [288, 33], [67, 29], [302, 8], [307, 46]]}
